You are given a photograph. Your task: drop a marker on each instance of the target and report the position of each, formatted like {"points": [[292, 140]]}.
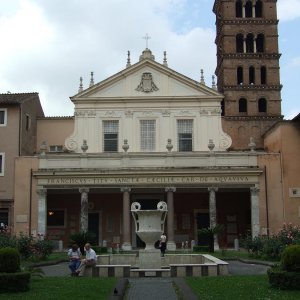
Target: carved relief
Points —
{"points": [[166, 113], [79, 113], [147, 85], [71, 144], [203, 111], [148, 113], [185, 113], [112, 113], [128, 113], [225, 141], [91, 113], [216, 111]]}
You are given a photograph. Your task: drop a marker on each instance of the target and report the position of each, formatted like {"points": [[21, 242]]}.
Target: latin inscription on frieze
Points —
{"points": [[148, 180]]}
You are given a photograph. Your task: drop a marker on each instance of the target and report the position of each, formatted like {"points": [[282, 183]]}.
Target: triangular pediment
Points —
{"points": [[145, 79]]}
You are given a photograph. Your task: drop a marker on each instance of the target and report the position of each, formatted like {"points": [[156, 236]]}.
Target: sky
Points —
{"points": [[46, 45]]}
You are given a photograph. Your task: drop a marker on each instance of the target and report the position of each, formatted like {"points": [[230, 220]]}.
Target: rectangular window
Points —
{"points": [[185, 135], [1, 164], [28, 122], [110, 136], [3, 117], [55, 218], [147, 135], [56, 148], [3, 217]]}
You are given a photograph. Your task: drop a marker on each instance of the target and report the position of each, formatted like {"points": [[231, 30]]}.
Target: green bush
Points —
{"points": [[99, 250], [42, 249], [284, 280], [7, 240], [9, 260], [201, 248], [25, 245], [290, 258], [34, 249], [81, 238], [273, 246], [14, 282]]}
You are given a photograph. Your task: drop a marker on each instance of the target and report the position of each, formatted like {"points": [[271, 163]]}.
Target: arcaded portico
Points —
{"points": [[188, 191]]}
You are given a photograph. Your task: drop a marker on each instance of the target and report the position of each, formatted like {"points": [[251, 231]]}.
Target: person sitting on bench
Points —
{"points": [[89, 261], [74, 256]]}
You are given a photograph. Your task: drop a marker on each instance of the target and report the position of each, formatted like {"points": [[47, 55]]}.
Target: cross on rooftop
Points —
{"points": [[147, 37]]}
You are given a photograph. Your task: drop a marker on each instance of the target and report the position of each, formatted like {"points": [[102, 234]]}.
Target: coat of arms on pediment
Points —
{"points": [[147, 85]]}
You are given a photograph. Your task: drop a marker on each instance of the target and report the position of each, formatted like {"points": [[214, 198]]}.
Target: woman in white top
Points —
{"points": [[74, 256]]}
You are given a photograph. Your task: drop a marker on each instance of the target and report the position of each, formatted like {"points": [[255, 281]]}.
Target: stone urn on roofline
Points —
{"points": [[149, 224]]}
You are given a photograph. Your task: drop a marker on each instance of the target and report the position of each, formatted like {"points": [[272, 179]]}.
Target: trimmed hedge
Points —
{"points": [[100, 250], [9, 260], [201, 248], [14, 282], [290, 258], [284, 280]]}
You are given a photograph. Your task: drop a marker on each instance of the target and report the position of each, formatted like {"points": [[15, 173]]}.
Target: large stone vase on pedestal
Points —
{"points": [[149, 226]]}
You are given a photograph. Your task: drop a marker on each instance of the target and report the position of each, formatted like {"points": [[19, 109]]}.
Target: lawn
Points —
{"points": [[238, 287], [66, 288]]}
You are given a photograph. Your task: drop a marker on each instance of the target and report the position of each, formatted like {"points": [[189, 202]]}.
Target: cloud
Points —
{"points": [[288, 10], [62, 42]]}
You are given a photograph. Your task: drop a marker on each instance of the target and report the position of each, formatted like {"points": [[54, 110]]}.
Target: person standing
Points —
{"points": [[89, 261], [74, 256], [163, 244]]}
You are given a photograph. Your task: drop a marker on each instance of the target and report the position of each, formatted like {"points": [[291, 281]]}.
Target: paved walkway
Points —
{"points": [[60, 270], [151, 288]]}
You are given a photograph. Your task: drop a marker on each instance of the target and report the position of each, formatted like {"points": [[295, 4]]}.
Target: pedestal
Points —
{"points": [[149, 259]]}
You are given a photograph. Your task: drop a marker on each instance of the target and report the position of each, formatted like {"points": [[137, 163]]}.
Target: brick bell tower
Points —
{"points": [[248, 68]]}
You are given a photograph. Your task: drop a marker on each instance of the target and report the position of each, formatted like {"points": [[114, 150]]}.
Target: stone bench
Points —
{"points": [[195, 270], [150, 273], [111, 271]]}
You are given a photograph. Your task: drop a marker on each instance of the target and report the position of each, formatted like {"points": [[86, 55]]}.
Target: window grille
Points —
{"points": [[185, 135], [1, 164], [110, 135], [3, 117], [56, 148], [147, 135]]}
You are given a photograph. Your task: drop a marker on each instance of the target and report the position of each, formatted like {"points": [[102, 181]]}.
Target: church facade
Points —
{"points": [[149, 134]]}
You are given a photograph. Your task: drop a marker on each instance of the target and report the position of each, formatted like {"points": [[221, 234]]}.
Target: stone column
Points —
{"points": [[254, 45], [255, 228], [244, 45], [244, 11], [170, 234], [42, 211], [126, 219], [213, 213], [84, 211], [253, 11]]}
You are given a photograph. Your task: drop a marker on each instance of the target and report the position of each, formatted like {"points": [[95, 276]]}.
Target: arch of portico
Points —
{"points": [[220, 194]]}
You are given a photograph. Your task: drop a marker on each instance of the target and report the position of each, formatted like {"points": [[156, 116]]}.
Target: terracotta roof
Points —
{"points": [[16, 98], [56, 118]]}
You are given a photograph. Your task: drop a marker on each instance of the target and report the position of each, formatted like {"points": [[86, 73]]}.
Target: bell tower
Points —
{"points": [[248, 68]]}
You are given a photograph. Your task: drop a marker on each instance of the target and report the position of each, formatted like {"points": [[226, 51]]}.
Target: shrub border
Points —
{"points": [[14, 282], [284, 280]]}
